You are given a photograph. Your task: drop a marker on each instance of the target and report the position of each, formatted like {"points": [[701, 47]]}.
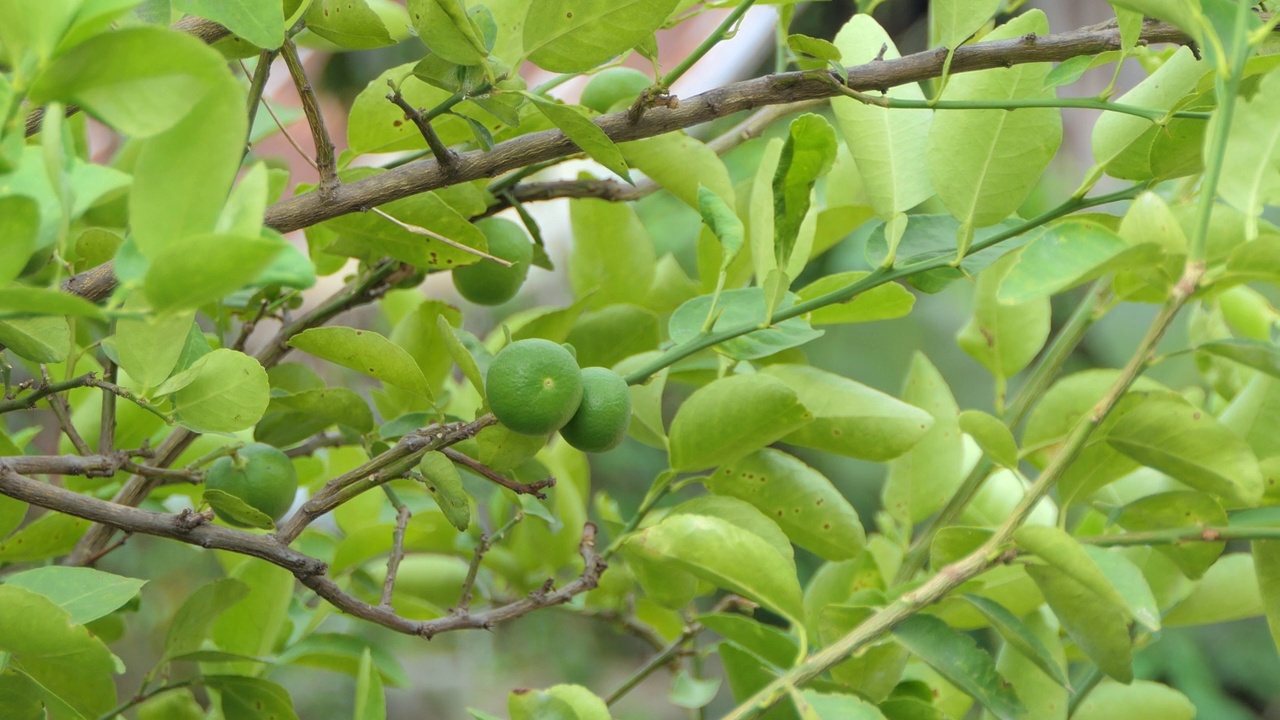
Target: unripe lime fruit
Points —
{"points": [[258, 474], [602, 418], [534, 386], [610, 87], [488, 283]]}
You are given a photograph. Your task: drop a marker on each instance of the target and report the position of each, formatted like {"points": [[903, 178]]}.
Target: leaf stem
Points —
{"points": [[878, 277], [711, 41]]}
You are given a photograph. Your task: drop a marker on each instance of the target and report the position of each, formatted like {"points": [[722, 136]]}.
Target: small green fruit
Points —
{"points": [[258, 474], [604, 415], [487, 282], [534, 386], [612, 87]]}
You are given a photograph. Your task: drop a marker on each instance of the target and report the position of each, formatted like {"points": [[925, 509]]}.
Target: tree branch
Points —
{"points": [[546, 596], [179, 527], [423, 175], [488, 473], [311, 106]]}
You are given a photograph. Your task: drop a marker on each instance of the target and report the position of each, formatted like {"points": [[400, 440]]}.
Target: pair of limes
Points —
{"points": [[536, 388]]}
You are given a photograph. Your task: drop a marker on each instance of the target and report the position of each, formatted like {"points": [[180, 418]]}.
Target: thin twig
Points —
{"points": [[247, 327], [473, 569], [315, 442], [534, 488], [397, 546], [311, 106], [257, 84], [419, 230], [285, 131], [545, 596], [62, 411], [442, 153], [107, 424]]}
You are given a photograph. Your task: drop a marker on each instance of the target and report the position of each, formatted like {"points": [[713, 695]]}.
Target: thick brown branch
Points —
{"points": [[308, 209], [179, 527], [311, 106], [545, 596]]}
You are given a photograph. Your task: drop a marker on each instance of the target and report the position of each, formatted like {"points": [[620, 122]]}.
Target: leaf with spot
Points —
{"points": [[349, 23], [445, 486], [575, 35], [366, 352], [804, 503], [448, 31]]}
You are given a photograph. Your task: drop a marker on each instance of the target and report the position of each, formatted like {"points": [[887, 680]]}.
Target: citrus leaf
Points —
{"points": [[86, 594], [445, 486], [366, 352], [959, 659], [576, 35], [732, 417]]}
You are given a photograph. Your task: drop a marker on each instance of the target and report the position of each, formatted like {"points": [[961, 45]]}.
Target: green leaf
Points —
{"points": [[1164, 432], [172, 705], [766, 641], [839, 707], [223, 391], [807, 154], [148, 349], [681, 164], [378, 125], [885, 302], [1261, 356], [349, 23], [367, 353], [341, 652], [959, 659], [20, 301], [986, 162], [253, 625], [1060, 550], [1251, 162], [723, 222], [725, 555], [261, 24], [732, 417], [460, 354], [575, 35], [294, 418], [804, 503], [584, 133], [445, 486], [370, 234], [45, 339], [1067, 254], [1122, 143], [1020, 637], [1099, 629], [1266, 560], [1140, 700], [251, 698], [1228, 591], [242, 215], [611, 334], [850, 418], [748, 674], [33, 36], [201, 269], [139, 80], [1177, 509], [1123, 575], [921, 480], [613, 260], [888, 145], [20, 226], [72, 668], [86, 594], [233, 507], [447, 30], [690, 692], [736, 308], [951, 22], [182, 175], [991, 435], [558, 702], [371, 702], [760, 212], [49, 535]]}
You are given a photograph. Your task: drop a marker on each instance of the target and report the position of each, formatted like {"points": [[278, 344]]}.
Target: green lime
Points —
{"points": [[488, 283], [608, 88], [534, 386], [260, 475], [604, 414]]}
